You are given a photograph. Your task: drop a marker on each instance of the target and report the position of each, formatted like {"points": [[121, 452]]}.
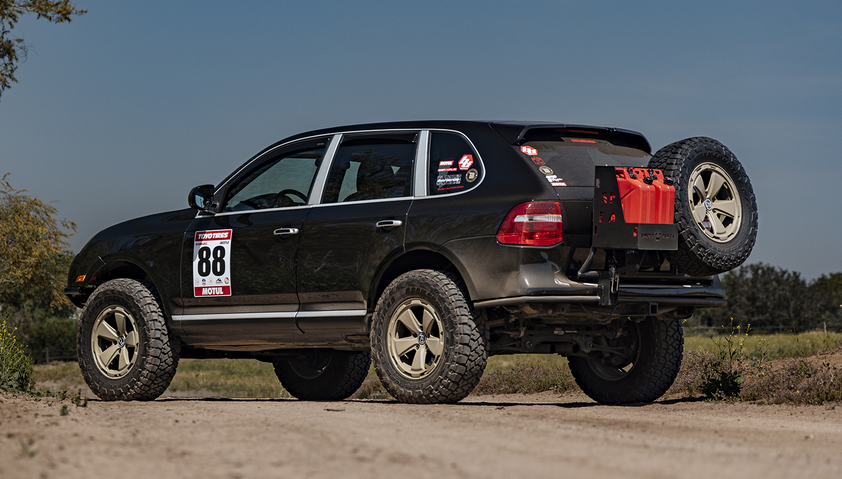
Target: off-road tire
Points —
{"points": [[658, 358], [698, 254], [324, 377], [462, 361], [156, 355]]}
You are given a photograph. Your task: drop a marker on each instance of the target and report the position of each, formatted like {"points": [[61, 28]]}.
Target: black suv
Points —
{"points": [[427, 246]]}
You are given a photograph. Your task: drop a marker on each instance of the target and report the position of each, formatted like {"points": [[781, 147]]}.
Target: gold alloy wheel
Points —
{"points": [[714, 202], [415, 338], [114, 342]]}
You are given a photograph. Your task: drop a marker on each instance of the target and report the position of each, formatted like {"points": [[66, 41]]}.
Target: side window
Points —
{"points": [[371, 168], [453, 166], [284, 180]]}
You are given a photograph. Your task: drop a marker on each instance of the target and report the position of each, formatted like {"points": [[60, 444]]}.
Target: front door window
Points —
{"points": [[281, 182]]}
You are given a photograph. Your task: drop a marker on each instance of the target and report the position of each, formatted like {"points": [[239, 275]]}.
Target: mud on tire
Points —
{"points": [[125, 351], [426, 344], [323, 377], [658, 348], [715, 207]]}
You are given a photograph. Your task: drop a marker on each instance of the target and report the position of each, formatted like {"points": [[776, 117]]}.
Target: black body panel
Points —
{"points": [[318, 286], [144, 248]]}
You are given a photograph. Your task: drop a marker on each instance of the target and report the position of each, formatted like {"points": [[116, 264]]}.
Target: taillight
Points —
{"points": [[537, 223]]}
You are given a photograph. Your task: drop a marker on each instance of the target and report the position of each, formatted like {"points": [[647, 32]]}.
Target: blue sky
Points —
{"points": [[120, 113]]}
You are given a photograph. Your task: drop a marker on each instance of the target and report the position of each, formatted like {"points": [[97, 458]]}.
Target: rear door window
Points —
{"points": [[371, 167]]}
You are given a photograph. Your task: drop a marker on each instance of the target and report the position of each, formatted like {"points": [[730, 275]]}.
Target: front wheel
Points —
{"points": [[323, 377], [426, 344], [125, 351], [652, 352]]}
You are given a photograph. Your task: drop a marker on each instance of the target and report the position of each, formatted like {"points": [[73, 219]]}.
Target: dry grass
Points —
{"points": [[791, 381], [242, 378], [774, 346]]}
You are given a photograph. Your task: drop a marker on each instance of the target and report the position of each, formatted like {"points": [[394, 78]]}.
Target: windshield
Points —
{"points": [[570, 161]]}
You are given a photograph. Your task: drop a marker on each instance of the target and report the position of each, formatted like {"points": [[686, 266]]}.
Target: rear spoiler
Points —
{"points": [[517, 133]]}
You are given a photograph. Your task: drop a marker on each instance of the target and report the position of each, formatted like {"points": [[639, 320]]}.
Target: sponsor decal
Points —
{"points": [[211, 263], [465, 162], [444, 170], [202, 236], [537, 160], [528, 150], [546, 170], [450, 188], [448, 180], [446, 163], [212, 291], [471, 175], [556, 181]]}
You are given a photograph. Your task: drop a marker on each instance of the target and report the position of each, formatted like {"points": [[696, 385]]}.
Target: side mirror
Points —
{"points": [[201, 198]]}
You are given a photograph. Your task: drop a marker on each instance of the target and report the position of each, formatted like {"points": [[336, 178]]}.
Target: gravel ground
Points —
{"points": [[505, 436]]}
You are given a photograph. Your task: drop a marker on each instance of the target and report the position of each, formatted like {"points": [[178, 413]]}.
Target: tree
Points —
{"points": [[773, 299], [13, 48], [34, 256], [827, 296]]}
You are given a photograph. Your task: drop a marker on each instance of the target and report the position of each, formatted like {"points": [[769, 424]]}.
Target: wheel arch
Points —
{"points": [[418, 257], [123, 267]]}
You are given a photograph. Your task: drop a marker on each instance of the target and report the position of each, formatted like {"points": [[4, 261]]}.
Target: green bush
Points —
{"points": [[15, 365]]}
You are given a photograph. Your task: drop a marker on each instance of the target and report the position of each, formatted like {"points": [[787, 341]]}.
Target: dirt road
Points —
{"points": [[542, 435]]}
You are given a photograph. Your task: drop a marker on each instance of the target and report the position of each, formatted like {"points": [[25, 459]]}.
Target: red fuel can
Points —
{"points": [[665, 198], [644, 196]]}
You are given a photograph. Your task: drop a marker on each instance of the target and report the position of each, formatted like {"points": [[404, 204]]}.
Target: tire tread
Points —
{"points": [[346, 381]]}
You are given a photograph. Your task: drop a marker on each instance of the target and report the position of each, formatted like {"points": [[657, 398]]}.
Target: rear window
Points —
{"points": [[453, 166], [570, 160]]}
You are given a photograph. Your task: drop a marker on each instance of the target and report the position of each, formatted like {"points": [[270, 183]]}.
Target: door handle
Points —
{"points": [[388, 223], [286, 231]]}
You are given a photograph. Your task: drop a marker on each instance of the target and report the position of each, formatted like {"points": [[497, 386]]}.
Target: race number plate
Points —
{"points": [[212, 263]]}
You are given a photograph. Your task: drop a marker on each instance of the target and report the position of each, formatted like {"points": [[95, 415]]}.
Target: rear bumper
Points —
{"points": [[712, 296], [498, 275]]}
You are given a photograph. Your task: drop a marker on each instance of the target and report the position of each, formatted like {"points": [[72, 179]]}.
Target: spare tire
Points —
{"points": [[715, 208]]}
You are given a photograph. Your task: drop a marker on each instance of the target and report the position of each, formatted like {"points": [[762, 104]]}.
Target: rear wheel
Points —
{"points": [[323, 377], [650, 359], [427, 346]]}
